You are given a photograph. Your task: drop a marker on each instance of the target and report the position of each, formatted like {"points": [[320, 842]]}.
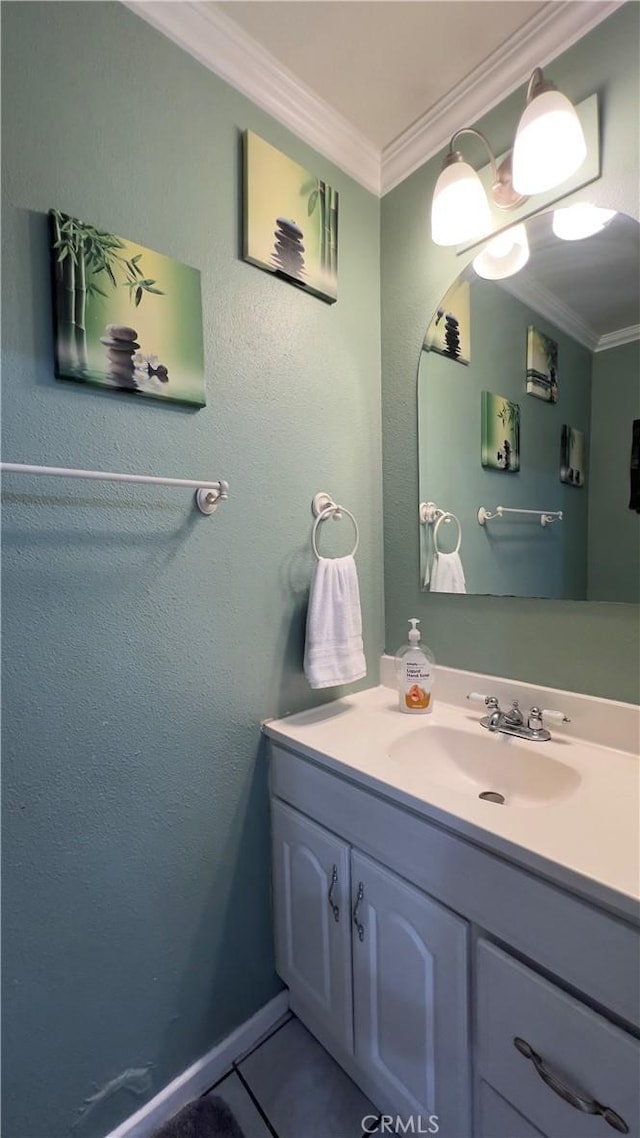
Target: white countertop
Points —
{"points": [[588, 840]]}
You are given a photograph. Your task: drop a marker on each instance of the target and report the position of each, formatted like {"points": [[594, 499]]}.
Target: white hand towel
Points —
{"points": [[447, 574], [333, 651]]}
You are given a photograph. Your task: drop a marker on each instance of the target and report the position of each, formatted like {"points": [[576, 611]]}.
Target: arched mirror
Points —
{"points": [[529, 421]]}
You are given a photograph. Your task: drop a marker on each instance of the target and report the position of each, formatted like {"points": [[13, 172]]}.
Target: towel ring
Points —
{"points": [[447, 518], [333, 509]]}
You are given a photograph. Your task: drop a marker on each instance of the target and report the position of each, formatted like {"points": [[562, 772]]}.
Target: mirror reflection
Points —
{"points": [[529, 417]]}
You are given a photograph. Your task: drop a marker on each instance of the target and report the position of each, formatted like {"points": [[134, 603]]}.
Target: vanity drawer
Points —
{"points": [[582, 1051]]}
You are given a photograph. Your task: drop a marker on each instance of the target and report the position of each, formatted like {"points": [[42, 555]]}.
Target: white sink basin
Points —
{"points": [[473, 763]]}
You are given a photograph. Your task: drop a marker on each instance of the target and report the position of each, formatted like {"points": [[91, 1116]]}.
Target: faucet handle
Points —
{"points": [[555, 716], [534, 722], [537, 717], [478, 697]]}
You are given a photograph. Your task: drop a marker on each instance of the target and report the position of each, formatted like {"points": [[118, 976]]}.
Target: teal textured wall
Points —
{"points": [[516, 558], [143, 644], [583, 646], [614, 529]]}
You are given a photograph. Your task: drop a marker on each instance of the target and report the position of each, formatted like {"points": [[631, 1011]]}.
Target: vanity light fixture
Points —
{"points": [[504, 255], [550, 144], [548, 148], [580, 220], [459, 210]]}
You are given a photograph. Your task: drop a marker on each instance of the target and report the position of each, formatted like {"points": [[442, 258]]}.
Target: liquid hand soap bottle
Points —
{"points": [[415, 668]]}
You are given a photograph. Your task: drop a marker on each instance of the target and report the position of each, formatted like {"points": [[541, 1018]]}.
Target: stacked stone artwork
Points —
{"points": [[121, 344], [287, 255], [452, 335]]}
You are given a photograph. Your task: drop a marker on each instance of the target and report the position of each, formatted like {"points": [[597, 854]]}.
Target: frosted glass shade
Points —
{"points": [[580, 220], [505, 255], [549, 145], [459, 210]]}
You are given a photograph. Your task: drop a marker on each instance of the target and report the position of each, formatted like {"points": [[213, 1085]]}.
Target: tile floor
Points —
{"points": [[289, 1087]]}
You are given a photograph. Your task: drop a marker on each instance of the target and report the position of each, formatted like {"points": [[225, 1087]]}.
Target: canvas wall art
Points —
{"points": [[500, 433], [290, 220], [572, 456], [542, 366], [125, 317], [449, 332]]}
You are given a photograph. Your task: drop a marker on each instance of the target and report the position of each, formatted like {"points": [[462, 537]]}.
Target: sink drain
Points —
{"points": [[492, 796]]}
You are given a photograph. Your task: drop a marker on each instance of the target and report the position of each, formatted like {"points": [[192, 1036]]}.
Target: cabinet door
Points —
{"points": [[410, 999], [312, 918]]}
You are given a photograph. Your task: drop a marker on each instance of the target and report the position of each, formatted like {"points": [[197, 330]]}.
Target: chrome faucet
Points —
{"points": [[512, 722]]}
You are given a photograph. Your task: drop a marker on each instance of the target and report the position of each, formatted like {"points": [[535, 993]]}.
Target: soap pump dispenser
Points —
{"points": [[415, 667]]}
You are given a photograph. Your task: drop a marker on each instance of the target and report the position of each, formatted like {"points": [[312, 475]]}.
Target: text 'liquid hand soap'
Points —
{"points": [[415, 667]]}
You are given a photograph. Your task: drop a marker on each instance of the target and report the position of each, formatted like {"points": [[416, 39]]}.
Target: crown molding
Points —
{"points": [[553, 309], [616, 339], [221, 45], [543, 38], [215, 40], [564, 317]]}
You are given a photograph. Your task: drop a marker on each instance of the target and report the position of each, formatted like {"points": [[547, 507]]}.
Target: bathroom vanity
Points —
{"points": [[473, 966]]}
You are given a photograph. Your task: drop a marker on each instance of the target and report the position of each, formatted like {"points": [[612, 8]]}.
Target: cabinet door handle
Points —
{"points": [[335, 909], [359, 926], [574, 1097]]}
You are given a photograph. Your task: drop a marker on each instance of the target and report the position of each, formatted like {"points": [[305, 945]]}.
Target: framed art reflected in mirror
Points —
{"points": [[538, 419]]}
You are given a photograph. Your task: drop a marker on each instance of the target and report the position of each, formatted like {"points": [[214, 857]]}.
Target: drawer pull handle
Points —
{"points": [[575, 1098], [357, 923], [335, 909]]}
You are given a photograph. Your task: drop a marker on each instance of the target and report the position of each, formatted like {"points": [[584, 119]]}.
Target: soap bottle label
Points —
{"points": [[417, 694]]}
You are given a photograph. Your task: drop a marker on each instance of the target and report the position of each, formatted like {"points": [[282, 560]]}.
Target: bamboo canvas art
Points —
{"points": [[290, 220], [500, 433], [125, 317]]}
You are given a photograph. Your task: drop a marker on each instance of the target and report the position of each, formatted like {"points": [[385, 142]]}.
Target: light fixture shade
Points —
{"points": [[504, 255], [459, 210], [549, 145], [580, 220]]}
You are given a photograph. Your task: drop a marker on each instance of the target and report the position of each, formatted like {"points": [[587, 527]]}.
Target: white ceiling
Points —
{"points": [[377, 86], [381, 63]]}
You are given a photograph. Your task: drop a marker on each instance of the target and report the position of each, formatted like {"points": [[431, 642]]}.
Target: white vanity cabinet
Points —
{"points": [[442, 955], [313, 918], [346, 927]]}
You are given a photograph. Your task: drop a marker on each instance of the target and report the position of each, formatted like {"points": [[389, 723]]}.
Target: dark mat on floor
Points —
{"points": [[207, 1117]]}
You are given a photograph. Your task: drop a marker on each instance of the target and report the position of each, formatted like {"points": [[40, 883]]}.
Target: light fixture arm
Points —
{"points": [[502, 191], [483, 138], [537, 85]]}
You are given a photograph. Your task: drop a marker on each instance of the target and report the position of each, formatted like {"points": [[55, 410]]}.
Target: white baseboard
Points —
{"points": [[203, 1073]]}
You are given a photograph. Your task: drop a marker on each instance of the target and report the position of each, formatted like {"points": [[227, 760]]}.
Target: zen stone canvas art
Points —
{"points": [[125, 317], [449, 332], [572, 456], [290, 220], [542, 366]]}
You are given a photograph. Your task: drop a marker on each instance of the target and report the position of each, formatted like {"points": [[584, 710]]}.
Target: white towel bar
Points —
{"points": [[208, 494], [546, 516]]}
